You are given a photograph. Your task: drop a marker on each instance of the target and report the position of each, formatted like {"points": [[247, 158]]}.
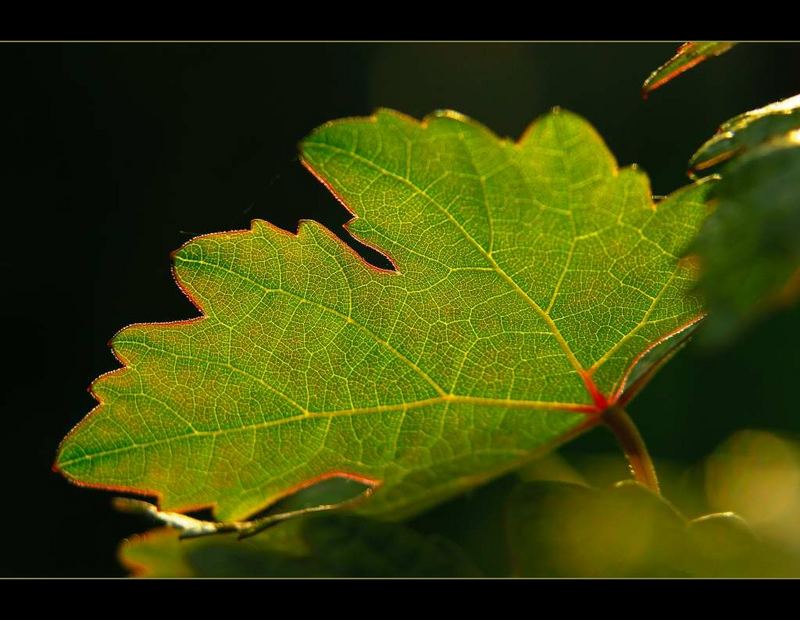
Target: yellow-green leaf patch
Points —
{"points": [[531, 279]]}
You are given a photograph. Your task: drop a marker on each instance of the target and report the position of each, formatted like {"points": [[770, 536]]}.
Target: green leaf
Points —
{"points": [[320, 546], [688, 55], [750, 246], [557, 529], [532, 278], [724, 546], [747, 131], [569, 530]]}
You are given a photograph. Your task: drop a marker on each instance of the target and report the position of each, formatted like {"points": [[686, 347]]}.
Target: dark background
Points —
{"points": [[116, 154]]}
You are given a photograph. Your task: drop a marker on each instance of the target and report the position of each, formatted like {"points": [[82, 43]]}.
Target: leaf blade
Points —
{"points": [[484, 346], [689, 55], [749, 247], [747, 131]]}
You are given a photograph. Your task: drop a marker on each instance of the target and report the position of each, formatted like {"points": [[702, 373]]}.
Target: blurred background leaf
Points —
{"points": [[747, 131], [750, 245], [312, 546], [534, 528]]}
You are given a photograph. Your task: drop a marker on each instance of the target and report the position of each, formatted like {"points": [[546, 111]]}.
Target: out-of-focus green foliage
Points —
{"points": [[567, 530], [542, 528], [315, 546], [750, 246], [559, 526], [756, 473], [564, 530], [688, 55]]}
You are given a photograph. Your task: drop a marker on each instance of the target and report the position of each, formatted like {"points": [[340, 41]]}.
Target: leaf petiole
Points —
{"points": [[632, 444]]}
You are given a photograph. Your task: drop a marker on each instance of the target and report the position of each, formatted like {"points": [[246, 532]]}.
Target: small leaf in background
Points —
{"points": [[688, 55], [315, 546], [749, 248], [723, 545], [551, 528], [756, 474], [557, 529], [531, 279], [747, 131]]}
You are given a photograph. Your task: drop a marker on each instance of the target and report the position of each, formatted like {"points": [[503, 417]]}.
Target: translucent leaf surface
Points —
{"points": [[750, 246], [532, 279], [747, 131], [688, 55]]}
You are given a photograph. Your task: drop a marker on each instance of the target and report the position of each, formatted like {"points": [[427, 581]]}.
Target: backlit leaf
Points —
{"points": [[688, 55], [747, 131], [750, 246], [532, 280]]}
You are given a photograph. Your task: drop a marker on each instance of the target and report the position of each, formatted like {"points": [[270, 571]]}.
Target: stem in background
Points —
{"points": [[632, 444]]}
